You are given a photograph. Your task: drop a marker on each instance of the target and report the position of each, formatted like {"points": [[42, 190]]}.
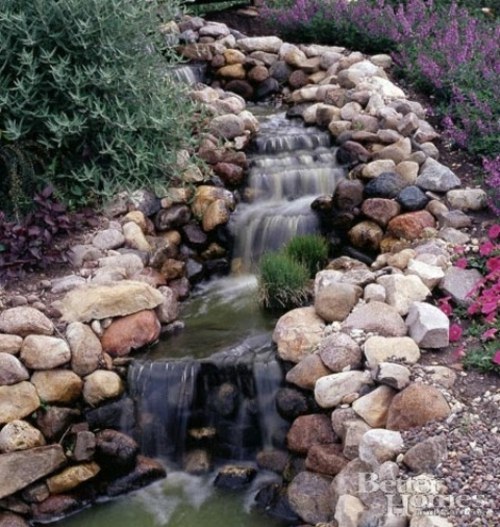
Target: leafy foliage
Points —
{"points": [[32, 243], [282, 281], [83, 80], [311, 250]]}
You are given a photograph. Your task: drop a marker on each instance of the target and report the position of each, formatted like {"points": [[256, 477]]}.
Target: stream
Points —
{"points": [[180, 387]]}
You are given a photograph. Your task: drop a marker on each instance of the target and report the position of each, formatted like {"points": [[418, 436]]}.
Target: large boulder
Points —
{"points": [[24, 321], [402, 291], [415, 406], [377, 317], [411, 225], [435, 176], [428, 326], [459, 284], [130, 332], [116, 299], [20, 469], [297, 333], [309, 497]]}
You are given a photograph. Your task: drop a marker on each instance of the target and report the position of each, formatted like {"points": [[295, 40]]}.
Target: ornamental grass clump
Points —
{"points": [[311, 250], [85, 104], [282, 281]]}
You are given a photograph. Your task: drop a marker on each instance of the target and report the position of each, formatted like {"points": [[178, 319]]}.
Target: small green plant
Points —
{"points": [[311, 250], [482, 358], [282, 281]]}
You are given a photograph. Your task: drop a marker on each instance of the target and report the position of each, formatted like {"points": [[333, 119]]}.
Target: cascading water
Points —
{"points": [[291, 166], [221, 400]]}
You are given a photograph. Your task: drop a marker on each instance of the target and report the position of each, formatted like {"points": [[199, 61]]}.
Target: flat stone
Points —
{"points": [[297, 333], [430, 275], [441, 375], [402, 291], [382, 349], [377, 317], [459, 283], [467, 199], [437, 177], [57, 386], [428, 326], [309, 497], [335, 302], [108, 239], [41, 352], [331, 389], [66, 283], [348, 511], [20, 469], [394, 375], [12, 370], [10, 344], [20, 435], [71, 477], [25, 320], [265, 44], [453, 236], [415, 406], [380, 445], [339, 352], [112, 300], [86, 349], [17, 401], [306, 372], [102, 385], [373, 407], [130, 332], [309, 430]]}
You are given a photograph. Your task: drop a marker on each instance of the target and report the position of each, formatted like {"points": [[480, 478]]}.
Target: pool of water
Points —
{"points": [[180, 500]]}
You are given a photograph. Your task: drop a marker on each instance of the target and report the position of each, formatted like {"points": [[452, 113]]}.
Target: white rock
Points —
{"points": [[395, 375], [374, 292], [331, 389], [402, 291], [348, 511], [383, 349], [467, 199], [380, 445], [430, 275], [428, 326], [40, 352], [267, 44]]}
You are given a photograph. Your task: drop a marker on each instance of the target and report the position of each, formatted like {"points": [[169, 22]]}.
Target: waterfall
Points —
{"points": [[290, 166]]}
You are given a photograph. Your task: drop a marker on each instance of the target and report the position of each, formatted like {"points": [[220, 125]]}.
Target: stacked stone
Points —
{"points": [[354, 391], [51, 462]]}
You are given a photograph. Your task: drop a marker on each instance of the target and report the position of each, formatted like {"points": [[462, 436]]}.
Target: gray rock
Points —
{"points": [[12, 370], [348, 511], [108, 239], [10, 344], [395, 375], [430, 275], [339, 351], [467, 199], [386, 185], [168, 310], [453, 236], [66, 283], [335, 302], [428, 326], [340, 420], [437, 177], [86, 349], [458, 283], [41, 352], [380, 445], [227, 126], [354, 431], [309, 497], [412, 198], [426, 455], [347, 480], [79, 254], [20, 469], [456, 219], [25, 320], [378, 317]]}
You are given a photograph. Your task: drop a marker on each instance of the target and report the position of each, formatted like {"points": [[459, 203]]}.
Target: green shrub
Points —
{"points": [[311, 250], [83, 81], [282, 281]]}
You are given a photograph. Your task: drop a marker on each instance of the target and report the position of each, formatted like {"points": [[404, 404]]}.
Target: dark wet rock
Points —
{"points": [[240, 87], [412, 198], [116, 449], [53, 421], [273, 501], [85, 445], [273, 459], [267, 88], [145, 472], [117, 414], [291, 403], [55, 506], [234, 477], [194, 270], [194, 236], [226, 399], [281, 71], [145, 201], [173, 217], [348, 194], [387, 185], [309, 496]]}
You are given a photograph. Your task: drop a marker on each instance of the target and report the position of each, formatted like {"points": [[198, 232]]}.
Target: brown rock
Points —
{"points": [[377, 317], [232, 71], [24, 321], [380, 210], [55, 420], [131, 332], [217, 213], [374, 406], [86, 349], [258, 74], [415, 406], [309, 497], [17, 401], [334, 302], [340, 351], [71, 477], [172, 270], [12, 370], [427, 455], [20, 435], [307, 372], [116, 448], [101, 385], [9, 519], [348, 194], [57, 386], [326, 459], [41, 352], [366, 235], [309, 430], [411, 225], [10, 344], [229, 173], [298, 79], [55, 506]]}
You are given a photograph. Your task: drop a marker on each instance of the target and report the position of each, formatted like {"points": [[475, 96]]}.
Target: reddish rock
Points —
{"points": [[309, 430], [410, 226], [415, 406], [326, 459], [131, 332], [298, 79], [258, 74], [229, 173], [380, 210], [55, 506]]}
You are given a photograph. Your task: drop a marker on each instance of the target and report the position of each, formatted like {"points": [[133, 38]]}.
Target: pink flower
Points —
{"points": [[493, 264], [489, 306], [462, 263], [458, 353], [486, 248], [459, 249], [491, 317], [444, 305], [455, 332], [496, 358], [489, 334], [494, 232]]}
